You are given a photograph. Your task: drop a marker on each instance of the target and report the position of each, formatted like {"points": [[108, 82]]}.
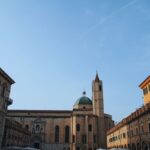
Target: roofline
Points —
{"points": [[144, 81], [5, 75], [41, 111], [130, 118]]}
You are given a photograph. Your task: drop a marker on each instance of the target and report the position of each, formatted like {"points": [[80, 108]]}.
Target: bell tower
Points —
{"points": [[98, 110]]}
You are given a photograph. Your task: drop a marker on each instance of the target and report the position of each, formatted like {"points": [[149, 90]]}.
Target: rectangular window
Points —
{"points": [[128, 134], [124, 135], [149, 87], [84, 139], [90, 127], [78, 127], [100, 88], [146, 90], [142, 129], [149, 126], [136, 131], [73, 139], [94, 139], [131, 133]]}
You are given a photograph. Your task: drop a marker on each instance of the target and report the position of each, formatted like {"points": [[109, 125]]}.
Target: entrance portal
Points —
{"points": [[37, 145]]}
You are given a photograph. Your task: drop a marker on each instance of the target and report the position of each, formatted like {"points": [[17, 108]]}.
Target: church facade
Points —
{"points": [[82, 128]]}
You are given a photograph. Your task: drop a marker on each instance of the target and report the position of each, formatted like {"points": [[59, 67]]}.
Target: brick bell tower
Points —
{"points": [[98, 110]]}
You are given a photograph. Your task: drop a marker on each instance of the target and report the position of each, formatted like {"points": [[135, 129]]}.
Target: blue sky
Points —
{"points": [[52, 50]]}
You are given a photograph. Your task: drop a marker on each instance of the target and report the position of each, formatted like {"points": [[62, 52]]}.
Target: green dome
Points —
{"points": [[83, 101]]}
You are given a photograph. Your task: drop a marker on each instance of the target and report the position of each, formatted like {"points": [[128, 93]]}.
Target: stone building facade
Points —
{"points": [[145, 86], [5, 87], [83, 128], [133, 132], [15, 134]]}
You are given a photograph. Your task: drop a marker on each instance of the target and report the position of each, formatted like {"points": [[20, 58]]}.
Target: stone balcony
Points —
{"points": [[9, 101]]}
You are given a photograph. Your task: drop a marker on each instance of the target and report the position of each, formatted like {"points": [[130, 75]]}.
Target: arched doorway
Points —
{"points": [[138, 146], [125, 146], [129, 146], [144, 146], [133, 147], [36, 145], [37, 142]]}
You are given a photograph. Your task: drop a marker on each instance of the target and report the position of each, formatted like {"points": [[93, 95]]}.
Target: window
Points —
{"points": [[84, 139], [73, 139], [3, 91], [124, 135], [145, 91], [149, 126], [67, 134], [131, 133], [57, 134], [142, 129], [78, 127], [149, 87], [94, 139], [37, 127], [33, 130], [77, 148], [136, 131], [128, 133], [90, 127], [100, 87], [4, 87]]}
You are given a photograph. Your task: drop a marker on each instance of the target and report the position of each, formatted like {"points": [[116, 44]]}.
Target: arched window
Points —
{"points": [[78, 127], [67, 130], [57, 134], [37, 127]]}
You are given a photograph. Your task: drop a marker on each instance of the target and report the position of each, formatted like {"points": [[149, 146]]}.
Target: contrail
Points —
{"points": [[109, 16]]}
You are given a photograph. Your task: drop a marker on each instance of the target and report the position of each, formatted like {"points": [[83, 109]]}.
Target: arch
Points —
{"points": [[138, 146], [125, 146], [144, 146], [133, 147], [129, 146], [67, 134], [149, 145], [37, 142], [57, 134]]}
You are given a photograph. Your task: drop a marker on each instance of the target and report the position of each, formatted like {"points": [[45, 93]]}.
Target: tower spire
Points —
{"points": [[97, 77]]}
